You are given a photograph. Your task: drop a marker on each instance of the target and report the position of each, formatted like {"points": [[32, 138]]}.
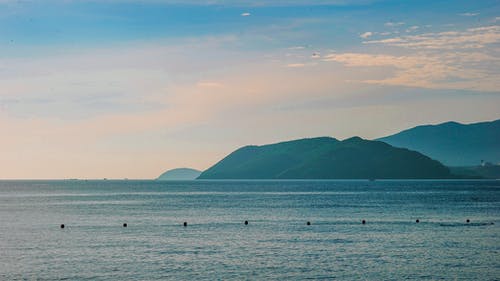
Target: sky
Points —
{"points": [[129, 89]]}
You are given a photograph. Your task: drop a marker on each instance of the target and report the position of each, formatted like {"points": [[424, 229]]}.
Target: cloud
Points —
{"points": [[295, 65], [424, 70], [472, 38], [468, 14], [246, 14], [412, 28], [464, 60], [392, 24], [366, 35]]}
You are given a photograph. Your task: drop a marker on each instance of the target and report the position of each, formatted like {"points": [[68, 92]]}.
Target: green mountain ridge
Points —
{"points": [[326, 158], [452, 143]]}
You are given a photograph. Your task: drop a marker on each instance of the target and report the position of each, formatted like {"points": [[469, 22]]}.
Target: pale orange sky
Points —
{"points": [[135, 107]]}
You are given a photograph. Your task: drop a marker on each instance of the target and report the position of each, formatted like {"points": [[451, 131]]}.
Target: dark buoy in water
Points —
{"points": [[468, 220], [363, 222], [62, 225], [417, 221], [308, 223], [185, 224], [125, 225], [246, 222]]}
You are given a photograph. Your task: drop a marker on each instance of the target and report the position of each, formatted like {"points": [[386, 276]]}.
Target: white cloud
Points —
{"points": [[412, 28], [466, 60], [469, 14], [366, 34], [246, 14], [424, 70], [472, 38], [392, 24]]}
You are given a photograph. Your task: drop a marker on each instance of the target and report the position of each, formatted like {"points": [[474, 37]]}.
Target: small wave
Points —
{"points": [[466, 224]]}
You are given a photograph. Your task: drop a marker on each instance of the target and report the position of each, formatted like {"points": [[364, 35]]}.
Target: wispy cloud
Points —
{"points": [[428, 71], [366, 34], [472, 38], [295, 65], [392, 24], [412, 28], [443, 60], [469, 14], [246, 14]]}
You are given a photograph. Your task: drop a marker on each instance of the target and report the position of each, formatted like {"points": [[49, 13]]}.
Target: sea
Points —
{"points": [[276, 244]]}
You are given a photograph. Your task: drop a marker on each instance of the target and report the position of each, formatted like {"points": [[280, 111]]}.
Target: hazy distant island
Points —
{"points": [[179, 174], [326, 158]]}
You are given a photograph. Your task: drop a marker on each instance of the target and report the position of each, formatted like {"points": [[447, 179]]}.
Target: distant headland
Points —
{"points": [[445, 151]]}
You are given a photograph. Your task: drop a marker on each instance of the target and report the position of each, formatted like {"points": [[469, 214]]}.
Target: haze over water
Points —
{"points": [[276, 244]]}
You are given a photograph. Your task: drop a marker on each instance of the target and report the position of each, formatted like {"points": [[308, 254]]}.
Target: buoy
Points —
{"points": [[417, 221], [363, 221], [125, 225], [468, 220], [246, 222], [185, 224], [62, 225], [308, 223]]}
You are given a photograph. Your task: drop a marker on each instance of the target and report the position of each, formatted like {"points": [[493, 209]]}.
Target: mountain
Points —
{"points": [[180, 174], [452, 143], [326, 158]]}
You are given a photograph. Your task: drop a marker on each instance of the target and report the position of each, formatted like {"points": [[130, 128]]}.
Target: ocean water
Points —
{"points": [[276, 244]]}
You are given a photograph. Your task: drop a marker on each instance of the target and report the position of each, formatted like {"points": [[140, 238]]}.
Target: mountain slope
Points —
{"points": [[180, 174], [325, 158], [452, 143]]}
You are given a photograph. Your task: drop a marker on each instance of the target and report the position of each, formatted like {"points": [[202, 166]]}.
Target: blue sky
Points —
{"points": [[131, 88], [93, 23]]}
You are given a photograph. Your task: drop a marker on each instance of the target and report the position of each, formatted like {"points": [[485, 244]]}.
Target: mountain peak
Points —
{"points": [[353, 139]]}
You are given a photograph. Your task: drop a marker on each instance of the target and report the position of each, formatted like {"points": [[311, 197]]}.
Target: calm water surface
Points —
{"points": [[276, 244]]}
